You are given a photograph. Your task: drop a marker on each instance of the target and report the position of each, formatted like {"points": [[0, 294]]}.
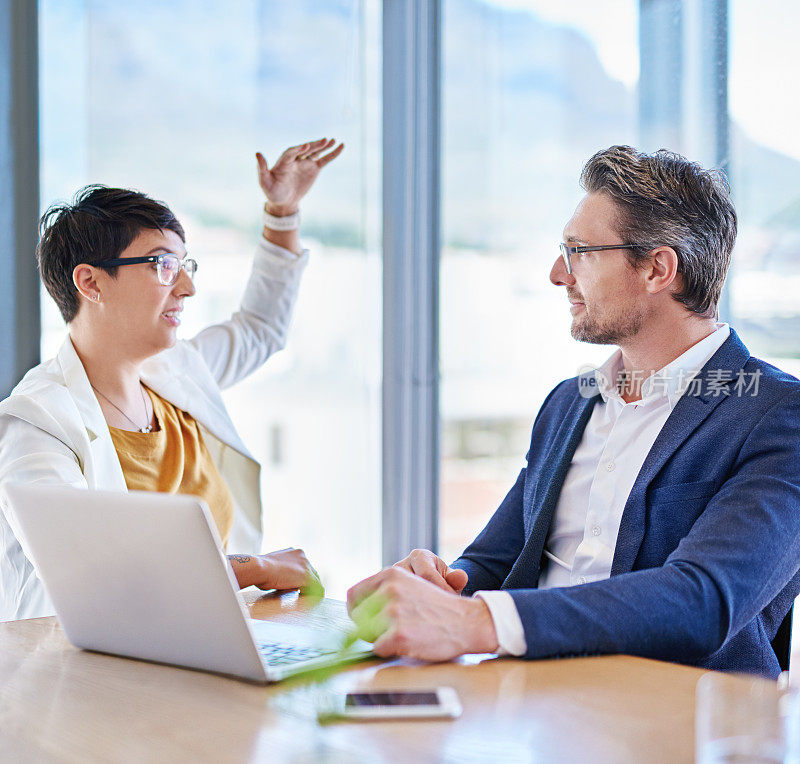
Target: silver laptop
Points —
{"points": [[143, 575]]}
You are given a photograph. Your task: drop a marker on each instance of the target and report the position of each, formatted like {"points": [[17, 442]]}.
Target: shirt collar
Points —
{"points": [[669, 382]]}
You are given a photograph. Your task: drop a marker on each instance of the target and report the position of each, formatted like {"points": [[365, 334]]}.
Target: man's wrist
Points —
{"points": [[483, 636]]}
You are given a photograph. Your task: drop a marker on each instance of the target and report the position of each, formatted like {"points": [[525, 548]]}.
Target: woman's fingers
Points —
{"points": [[316, 151], [322, 161]]}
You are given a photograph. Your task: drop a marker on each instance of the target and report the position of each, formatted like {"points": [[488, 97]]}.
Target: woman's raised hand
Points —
{"points": [[290, 178]]}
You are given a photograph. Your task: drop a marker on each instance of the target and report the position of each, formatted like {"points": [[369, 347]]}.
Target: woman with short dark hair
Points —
{"points": [[124, 405]]}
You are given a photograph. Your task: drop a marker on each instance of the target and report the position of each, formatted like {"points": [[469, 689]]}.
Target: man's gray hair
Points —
{"points": [[665, 200]]}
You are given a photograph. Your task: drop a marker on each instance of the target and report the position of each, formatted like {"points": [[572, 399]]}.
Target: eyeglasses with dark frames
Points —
{"points": [[567, 251], [169, 265]]}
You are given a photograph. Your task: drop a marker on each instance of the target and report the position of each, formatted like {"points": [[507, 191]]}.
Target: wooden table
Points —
{"points": [[62, 704]]}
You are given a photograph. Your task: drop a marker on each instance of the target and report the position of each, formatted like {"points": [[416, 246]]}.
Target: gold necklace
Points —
{"points": [[148, 428]]}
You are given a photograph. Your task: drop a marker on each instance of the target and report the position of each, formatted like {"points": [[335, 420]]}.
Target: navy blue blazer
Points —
{"points": [[708, 552]]}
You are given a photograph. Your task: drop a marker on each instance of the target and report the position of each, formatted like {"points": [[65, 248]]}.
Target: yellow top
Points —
{"points": [[174, 459]]}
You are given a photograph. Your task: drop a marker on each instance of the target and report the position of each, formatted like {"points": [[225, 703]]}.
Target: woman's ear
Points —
{"points": [[85, 279]]}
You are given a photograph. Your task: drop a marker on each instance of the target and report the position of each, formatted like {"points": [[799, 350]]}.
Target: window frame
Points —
{"points": [[19, 188]]}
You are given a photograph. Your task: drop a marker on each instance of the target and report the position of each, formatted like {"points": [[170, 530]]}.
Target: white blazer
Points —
{"points": [[52, 429]]}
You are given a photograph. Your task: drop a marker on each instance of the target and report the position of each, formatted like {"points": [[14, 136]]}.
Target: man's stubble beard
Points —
{"points": [[613, 331]]}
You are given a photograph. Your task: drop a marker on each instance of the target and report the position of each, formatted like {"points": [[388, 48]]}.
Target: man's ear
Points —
{"points": [[662, 270], [84, 277]]}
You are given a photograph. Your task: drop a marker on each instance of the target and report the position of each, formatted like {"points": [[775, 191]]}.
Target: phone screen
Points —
{"points": [[361, 699]]}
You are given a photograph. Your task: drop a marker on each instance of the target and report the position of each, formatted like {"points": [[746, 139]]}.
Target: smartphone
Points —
{"points": [[439, 703]]}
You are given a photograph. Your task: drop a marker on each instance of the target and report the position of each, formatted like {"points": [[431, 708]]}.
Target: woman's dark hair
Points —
{"points": [[665, 200], [99, 225]]}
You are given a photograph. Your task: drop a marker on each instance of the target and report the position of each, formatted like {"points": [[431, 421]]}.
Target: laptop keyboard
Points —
{"points": [[280, 654]]}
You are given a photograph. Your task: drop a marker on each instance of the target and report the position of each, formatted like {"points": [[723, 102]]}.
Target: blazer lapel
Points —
{"points": [[525, 572], [103, 471], [689, 413]]}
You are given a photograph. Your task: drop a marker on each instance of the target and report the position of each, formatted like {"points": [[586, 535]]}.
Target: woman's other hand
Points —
{"points": [[283, 570]]}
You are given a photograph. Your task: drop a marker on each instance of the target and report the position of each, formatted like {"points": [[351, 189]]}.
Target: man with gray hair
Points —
{"points": [[658, 513]]}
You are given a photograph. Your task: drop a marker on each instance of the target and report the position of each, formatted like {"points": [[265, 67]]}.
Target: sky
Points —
{"points": [[764, 65], [612, 24]]}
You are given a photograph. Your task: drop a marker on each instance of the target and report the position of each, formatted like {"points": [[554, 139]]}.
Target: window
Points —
{"points": [[174, 99], [765, 167], [531, 90]]}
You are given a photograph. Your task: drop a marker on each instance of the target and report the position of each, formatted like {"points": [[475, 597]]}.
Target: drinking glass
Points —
{"points": [[739, 719]]}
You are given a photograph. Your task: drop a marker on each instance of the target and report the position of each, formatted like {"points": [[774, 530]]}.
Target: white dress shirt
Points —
{"points": [[583, 536]]}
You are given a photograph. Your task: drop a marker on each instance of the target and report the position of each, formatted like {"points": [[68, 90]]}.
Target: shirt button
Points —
{"points": [[582, 580], [610, 466], [596, 530]]}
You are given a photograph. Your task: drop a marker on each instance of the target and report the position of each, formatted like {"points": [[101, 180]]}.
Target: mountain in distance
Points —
{"points": [[174, 98]]}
